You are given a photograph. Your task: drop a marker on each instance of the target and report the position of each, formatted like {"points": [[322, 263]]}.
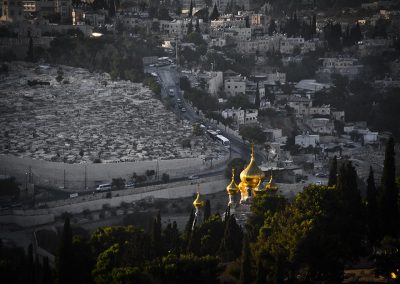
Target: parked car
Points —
{"points": [[130, 185], [183, 109], [192, 177], [104, 187]]}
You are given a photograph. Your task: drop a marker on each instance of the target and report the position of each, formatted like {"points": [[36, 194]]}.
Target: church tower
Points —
{"points": [[198, 214]]}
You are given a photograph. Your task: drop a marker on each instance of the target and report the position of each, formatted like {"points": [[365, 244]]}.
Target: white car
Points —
{"points": [[192, 177]]}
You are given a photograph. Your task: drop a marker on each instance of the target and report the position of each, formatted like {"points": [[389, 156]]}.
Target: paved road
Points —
{"points": [[169, 78]]}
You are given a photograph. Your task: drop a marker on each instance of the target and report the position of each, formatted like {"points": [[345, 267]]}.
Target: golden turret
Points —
{"points": [[197, 203], [270, 186], [252, 174], [232, 188], [257, 190]]}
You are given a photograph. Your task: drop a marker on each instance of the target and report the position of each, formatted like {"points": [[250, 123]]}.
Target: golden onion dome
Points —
{"points": [[270, 186], [232, 188], [242, 187], [258, 189], [197, 203], [252, 174]]}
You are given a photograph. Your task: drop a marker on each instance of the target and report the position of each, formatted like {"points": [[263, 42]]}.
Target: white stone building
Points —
{"points": [[215, 83], [300, 105], [306, 140], [48, 8], [264, 103], [348, 67], [235, 85], [321, 125], [175, 28], [320, 110], [272, 78], [217, 42], [241, 116], [228, 21], [240, 34], [287, 45], [373, 46], [260, 45], [338, 115]]}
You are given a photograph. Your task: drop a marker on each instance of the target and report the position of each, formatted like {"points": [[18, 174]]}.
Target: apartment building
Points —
{"points": [[241, 116]]}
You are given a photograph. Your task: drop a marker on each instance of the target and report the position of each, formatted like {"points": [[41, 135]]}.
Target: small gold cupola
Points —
{"points": [[197, 203], [232, 188], [252, 174], [270, 186], [258, 190]]}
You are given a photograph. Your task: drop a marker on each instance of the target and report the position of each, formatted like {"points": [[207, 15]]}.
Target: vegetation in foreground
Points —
{"points": [[325, 230]]}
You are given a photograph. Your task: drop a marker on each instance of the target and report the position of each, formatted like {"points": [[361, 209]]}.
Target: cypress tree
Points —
{"points": [[257, 101], [247, 20], [29, 56], [351, 208], [355, 34], [31, 265], [372, 208], [245, 269], [175, 239], [388, 196], [156, 235], [167, 239], [228, 8], [46, 274], [191, 9], [314, 25], [231, 244], [197, 26], [65, 260], [214, 14], [207, 210], [38, 270], [261, 275], [271, 27], [333, 173], [190, 27]]}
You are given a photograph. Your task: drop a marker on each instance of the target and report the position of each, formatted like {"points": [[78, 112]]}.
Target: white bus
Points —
{"points": [[212, 134], [104, 187], [224, 141]]}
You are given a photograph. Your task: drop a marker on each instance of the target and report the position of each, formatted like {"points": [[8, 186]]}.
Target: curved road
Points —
{"points": [[169, 79]]}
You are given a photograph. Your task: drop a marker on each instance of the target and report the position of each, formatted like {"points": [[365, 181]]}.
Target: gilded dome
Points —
{"points": [[197, 203], [270, 186], [232, 188], [252, 174], [257, 190]]}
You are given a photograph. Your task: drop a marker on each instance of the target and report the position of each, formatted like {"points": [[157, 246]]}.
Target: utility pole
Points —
{"points": [[177, 51], [85, 178], [157, 171], [64, 178]]}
